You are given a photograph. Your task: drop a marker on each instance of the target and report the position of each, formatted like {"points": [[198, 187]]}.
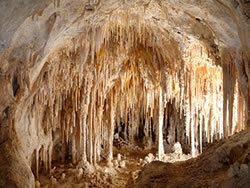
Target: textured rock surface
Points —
{"points": [[213, 168], [72, 73]]}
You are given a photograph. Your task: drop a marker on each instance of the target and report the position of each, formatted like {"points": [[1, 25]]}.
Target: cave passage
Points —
{"points": [[129, 88], [95, 90]]}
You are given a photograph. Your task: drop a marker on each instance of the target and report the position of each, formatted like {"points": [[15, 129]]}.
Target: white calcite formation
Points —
{"points": [[122, 164], [177, 148], [175, 156], [73, 73], [63, 176], [119, 157], [79, 174]]}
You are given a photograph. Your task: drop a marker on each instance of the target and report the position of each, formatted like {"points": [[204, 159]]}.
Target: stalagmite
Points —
{"points": [[160, 128]]}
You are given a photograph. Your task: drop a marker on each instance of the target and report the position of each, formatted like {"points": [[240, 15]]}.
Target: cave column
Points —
{"points": [[90, 131], [84, 134], [193, 150], [248, 109], [37, 162], [200, 129], [111, 131], [50, 148], [73, 148], [192, 116], [225, 99], [160, 133]]}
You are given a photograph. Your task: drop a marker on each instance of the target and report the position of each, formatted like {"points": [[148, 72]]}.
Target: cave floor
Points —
{"points": [[114, 176], [222, 164], [129, 160]]}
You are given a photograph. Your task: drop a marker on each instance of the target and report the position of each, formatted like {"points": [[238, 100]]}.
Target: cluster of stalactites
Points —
{"points": [[192, 106], [213, 105], [74, 99], [118, 78]]}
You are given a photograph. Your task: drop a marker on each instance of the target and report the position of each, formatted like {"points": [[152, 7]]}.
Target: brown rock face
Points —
{"points": [[74, 73], [210, 169]]}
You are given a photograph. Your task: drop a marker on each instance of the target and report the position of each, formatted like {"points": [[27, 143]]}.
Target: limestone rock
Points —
{"points": [[79, 174], [149, 158], [63, 176], [86, 167], [122, 164], [37, 184], [53, 181], [116, 164], [177, 148], [119, 157]]}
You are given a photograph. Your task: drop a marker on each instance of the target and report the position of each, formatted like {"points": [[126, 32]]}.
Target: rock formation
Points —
{"points": [[219, 166], [74, 73]]}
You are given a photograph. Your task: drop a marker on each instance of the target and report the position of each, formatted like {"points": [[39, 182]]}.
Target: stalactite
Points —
{"points": [[73, 144], [50, 156]]}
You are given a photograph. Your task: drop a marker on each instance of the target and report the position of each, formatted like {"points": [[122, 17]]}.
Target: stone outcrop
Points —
{"points": [[215, 167]]}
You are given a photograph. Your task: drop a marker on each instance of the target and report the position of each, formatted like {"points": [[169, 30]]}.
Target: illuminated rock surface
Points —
{"points": [[82, 81]]}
